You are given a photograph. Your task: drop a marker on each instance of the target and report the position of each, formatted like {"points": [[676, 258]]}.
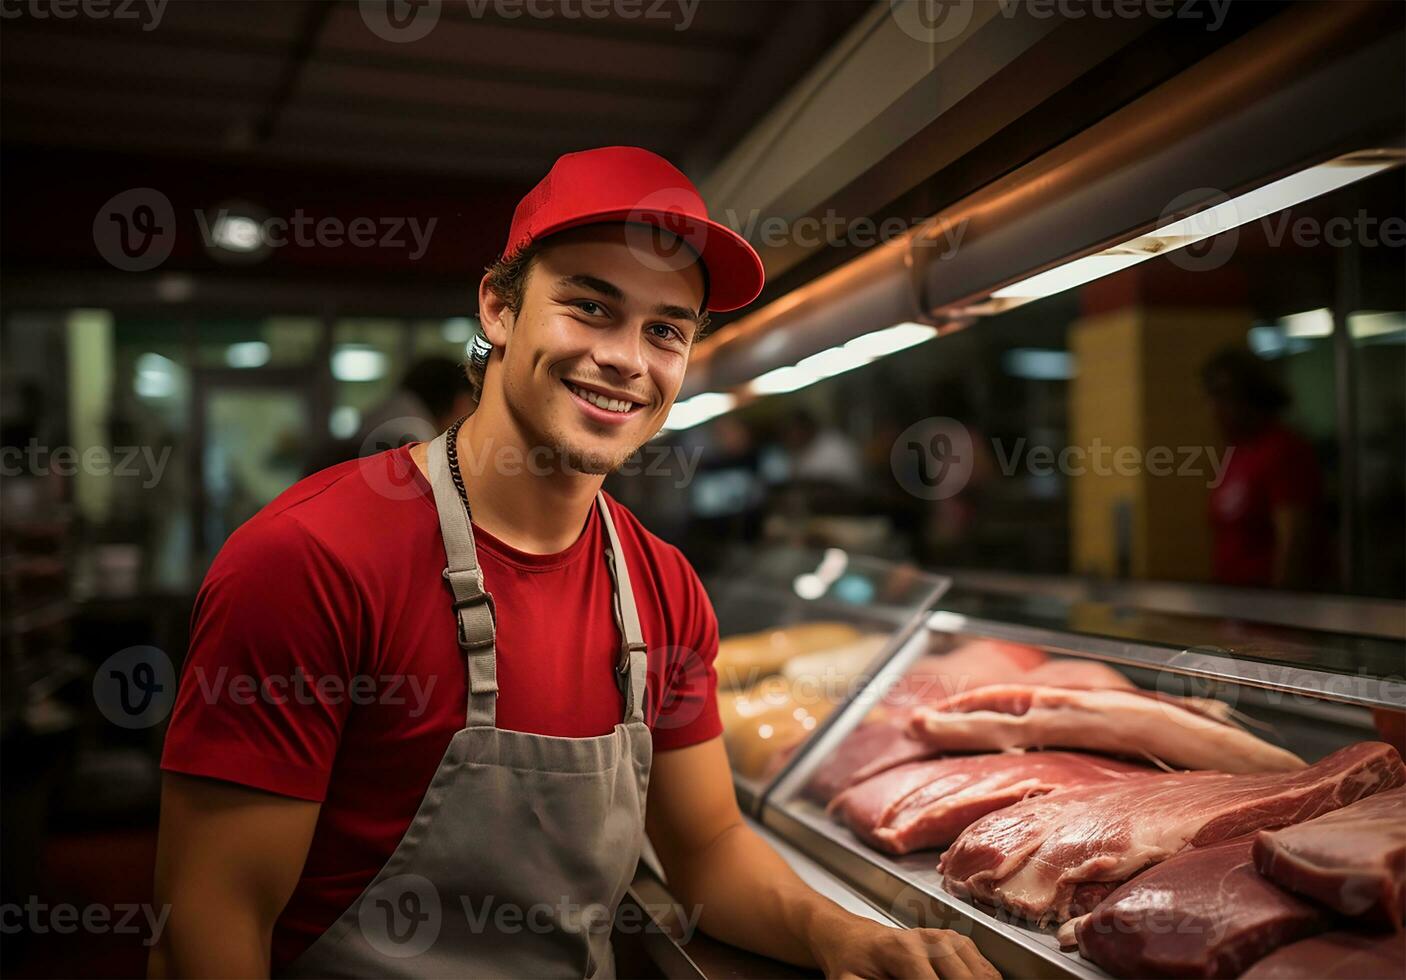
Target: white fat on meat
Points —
{"points": [[1184, 733]]}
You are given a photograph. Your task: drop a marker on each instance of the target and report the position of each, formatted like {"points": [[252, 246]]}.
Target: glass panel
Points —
{"points": [[255, 441], [800, 630], [255, 342], [1180, 420]]}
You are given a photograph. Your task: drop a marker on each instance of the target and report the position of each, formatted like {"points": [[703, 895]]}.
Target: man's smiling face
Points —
{"points": [[592, 362]]}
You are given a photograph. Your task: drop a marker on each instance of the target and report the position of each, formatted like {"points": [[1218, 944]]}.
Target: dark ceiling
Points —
{"points": [[491, 90]]}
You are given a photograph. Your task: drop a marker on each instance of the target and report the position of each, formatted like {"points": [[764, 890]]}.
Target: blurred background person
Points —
{"points": [[1266, 512], [434, 393]]}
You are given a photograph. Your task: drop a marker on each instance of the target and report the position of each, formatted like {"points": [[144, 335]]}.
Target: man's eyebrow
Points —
{"points": [[612, 291]]}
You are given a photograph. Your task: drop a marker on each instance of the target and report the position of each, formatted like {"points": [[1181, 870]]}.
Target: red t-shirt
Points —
{"points": [[1275, 469], [324, 663]]}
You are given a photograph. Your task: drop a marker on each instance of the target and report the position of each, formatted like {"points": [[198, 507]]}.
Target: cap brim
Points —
{"points": [[735, 271]]}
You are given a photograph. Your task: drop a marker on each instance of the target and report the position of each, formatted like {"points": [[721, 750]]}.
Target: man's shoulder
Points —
{"points": [[336, 511]]}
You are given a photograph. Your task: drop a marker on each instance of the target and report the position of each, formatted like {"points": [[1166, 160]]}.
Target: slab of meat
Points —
{"points": [[867, 751], [1335, 956], [1178, 731], [1352, 860], [1204, 913], [1057, 856], [1076, 673], [927, 804]]}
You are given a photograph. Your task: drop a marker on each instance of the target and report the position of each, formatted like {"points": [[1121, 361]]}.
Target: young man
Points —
{"points": [[412, 743]]}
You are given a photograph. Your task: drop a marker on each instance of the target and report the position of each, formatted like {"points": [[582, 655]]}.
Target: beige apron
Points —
{"points": [[524, 844]]}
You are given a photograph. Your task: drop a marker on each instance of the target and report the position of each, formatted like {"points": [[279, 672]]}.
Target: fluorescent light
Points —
{"points": [[828, 363], [837, 360], [247, 354], [699, 409], [1361, 326], [344, 421], [358, 362], [156, 376], [1069, 275], [457, 330], [1038, 364], [237, 233], [1312, 323], [891, 340], [781, 380], [1251, 206]]}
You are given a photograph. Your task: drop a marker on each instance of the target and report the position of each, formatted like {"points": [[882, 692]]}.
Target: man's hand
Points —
{"points": [[859, 948], [745, 894]]}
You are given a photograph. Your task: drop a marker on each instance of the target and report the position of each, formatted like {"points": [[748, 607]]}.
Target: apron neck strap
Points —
{"points": [[475, 613], [632, 667], [473, 607]]}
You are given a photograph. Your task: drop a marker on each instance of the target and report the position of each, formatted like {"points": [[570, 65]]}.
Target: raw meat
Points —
{"points": [[969, 666], [1335, 955], [1204, 913], [927, 804], [1076, 673], [1178, 731], [1353, 859], [1055, 857], [865, 752]]}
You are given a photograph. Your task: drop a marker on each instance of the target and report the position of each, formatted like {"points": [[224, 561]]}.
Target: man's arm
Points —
{"points": [[227, 860], [748, 896]]}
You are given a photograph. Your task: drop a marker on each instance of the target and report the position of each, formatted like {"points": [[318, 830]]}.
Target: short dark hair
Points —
{"points": [[1237, 372], [507, 277]]}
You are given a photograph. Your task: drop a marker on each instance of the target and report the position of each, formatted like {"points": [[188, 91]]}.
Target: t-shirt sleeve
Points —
{"points": [[271, 654], [688, 711]]}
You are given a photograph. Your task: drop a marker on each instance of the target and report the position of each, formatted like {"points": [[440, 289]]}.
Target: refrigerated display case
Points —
{"points": [[1307, 691]]}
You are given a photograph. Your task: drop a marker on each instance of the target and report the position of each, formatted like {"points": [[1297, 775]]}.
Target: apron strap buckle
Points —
{"points": [[484, 629], [627, 652]]}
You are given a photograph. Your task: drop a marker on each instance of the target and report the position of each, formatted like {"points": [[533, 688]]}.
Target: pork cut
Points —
{"points": [[865, 752], [1335, 956], [927, 804], [1051, 858], [1353, 859], [1204, 913], [1181, 732]]}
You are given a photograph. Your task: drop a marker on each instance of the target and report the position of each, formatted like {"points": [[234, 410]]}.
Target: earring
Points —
{"points": [[479, 351]]}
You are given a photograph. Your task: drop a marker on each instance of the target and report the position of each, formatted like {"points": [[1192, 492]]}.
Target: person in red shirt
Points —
{"points": [[441, 683], [1265, 510]]}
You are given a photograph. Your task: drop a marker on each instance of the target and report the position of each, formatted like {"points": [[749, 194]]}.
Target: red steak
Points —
{"points": [[927, 804], [1055, 857], [1204, 913], [1353, 859]]}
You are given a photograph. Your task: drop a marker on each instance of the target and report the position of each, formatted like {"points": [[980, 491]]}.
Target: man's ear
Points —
{"points": [[493, 314]]}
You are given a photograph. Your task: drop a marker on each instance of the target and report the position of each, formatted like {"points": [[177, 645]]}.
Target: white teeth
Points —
{"points": [[600, 401]]}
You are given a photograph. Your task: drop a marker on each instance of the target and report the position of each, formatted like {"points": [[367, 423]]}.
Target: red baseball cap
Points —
{"points": [[646, 192]]}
